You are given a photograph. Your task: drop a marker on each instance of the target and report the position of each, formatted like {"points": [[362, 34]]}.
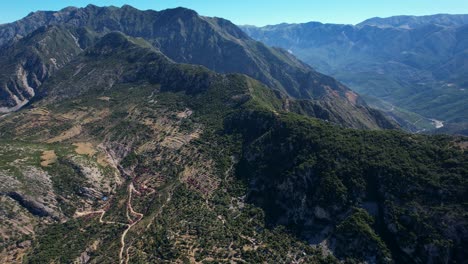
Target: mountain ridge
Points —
{"points": [[185, 37], [411, 21], [82, 17]]}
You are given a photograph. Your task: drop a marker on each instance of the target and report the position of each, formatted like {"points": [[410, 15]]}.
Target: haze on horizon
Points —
{"points": [[260, 12]]}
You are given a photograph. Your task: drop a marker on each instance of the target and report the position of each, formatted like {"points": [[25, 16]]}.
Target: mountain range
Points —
{"points": [[414, 68], [191, 38], [412, 22], [131, 136]]}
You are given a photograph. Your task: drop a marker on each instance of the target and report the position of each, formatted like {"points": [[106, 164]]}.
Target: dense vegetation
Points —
{"points": [[309, 175]]}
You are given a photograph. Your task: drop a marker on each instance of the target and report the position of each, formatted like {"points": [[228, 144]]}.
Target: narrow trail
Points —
{"points": [[101, 212], [130, 210], [231, 167], [127, 255]]}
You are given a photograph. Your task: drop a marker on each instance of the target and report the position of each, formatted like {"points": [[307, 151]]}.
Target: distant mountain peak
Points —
{"points": [[126, 6], [69, 9]]}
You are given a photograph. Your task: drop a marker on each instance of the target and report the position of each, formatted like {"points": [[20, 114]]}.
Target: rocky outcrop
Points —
{"points": [[34, 206], [28, 62]]}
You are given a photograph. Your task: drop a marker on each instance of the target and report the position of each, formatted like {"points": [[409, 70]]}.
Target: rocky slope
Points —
{"points": [[28, 62]]}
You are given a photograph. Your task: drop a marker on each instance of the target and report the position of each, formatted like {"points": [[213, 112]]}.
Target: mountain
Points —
{"points": [[414, 68], [179, 162], [124, 155], [185, 37]]}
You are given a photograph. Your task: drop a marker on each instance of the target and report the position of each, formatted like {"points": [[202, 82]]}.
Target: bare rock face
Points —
{"points": [[34, 205], [320, 213], [33, 190], [28, 62], [84, 258], [24, 244]]}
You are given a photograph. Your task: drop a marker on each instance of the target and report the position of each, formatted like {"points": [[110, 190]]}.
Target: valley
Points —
{"points": [[415, 63]]}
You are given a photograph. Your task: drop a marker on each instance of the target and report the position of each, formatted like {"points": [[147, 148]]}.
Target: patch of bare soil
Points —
{"points": [[39, 111], [462, 144], [85, 148], [71, 133], [352, 97], [104, 98], [103, 160], [185, 113], [48, 157]]}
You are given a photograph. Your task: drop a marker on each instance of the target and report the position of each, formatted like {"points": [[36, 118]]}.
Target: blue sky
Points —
{"points": [[260, 12]]}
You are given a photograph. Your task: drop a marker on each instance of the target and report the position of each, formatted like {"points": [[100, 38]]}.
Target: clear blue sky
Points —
{"points": [[260, 12]]}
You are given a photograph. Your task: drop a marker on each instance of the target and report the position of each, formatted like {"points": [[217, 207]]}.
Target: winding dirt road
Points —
{"points": [[129, 225], [131, 189]]}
